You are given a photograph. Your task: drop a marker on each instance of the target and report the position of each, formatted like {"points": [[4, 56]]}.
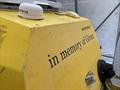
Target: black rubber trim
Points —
{"points": [[100, 68]]}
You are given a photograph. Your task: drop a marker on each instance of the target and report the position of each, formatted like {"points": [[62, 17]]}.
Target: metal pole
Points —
{"points": [[76, 6]]}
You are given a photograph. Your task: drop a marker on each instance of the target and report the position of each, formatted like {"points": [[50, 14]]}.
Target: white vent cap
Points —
{"points": [[30, 11]]}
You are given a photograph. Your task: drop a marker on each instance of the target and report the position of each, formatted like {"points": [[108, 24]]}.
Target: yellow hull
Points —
{"points": [[56, 53]]}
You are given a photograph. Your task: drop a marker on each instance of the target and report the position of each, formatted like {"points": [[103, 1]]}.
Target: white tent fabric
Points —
{"points": [[20, 1]]}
